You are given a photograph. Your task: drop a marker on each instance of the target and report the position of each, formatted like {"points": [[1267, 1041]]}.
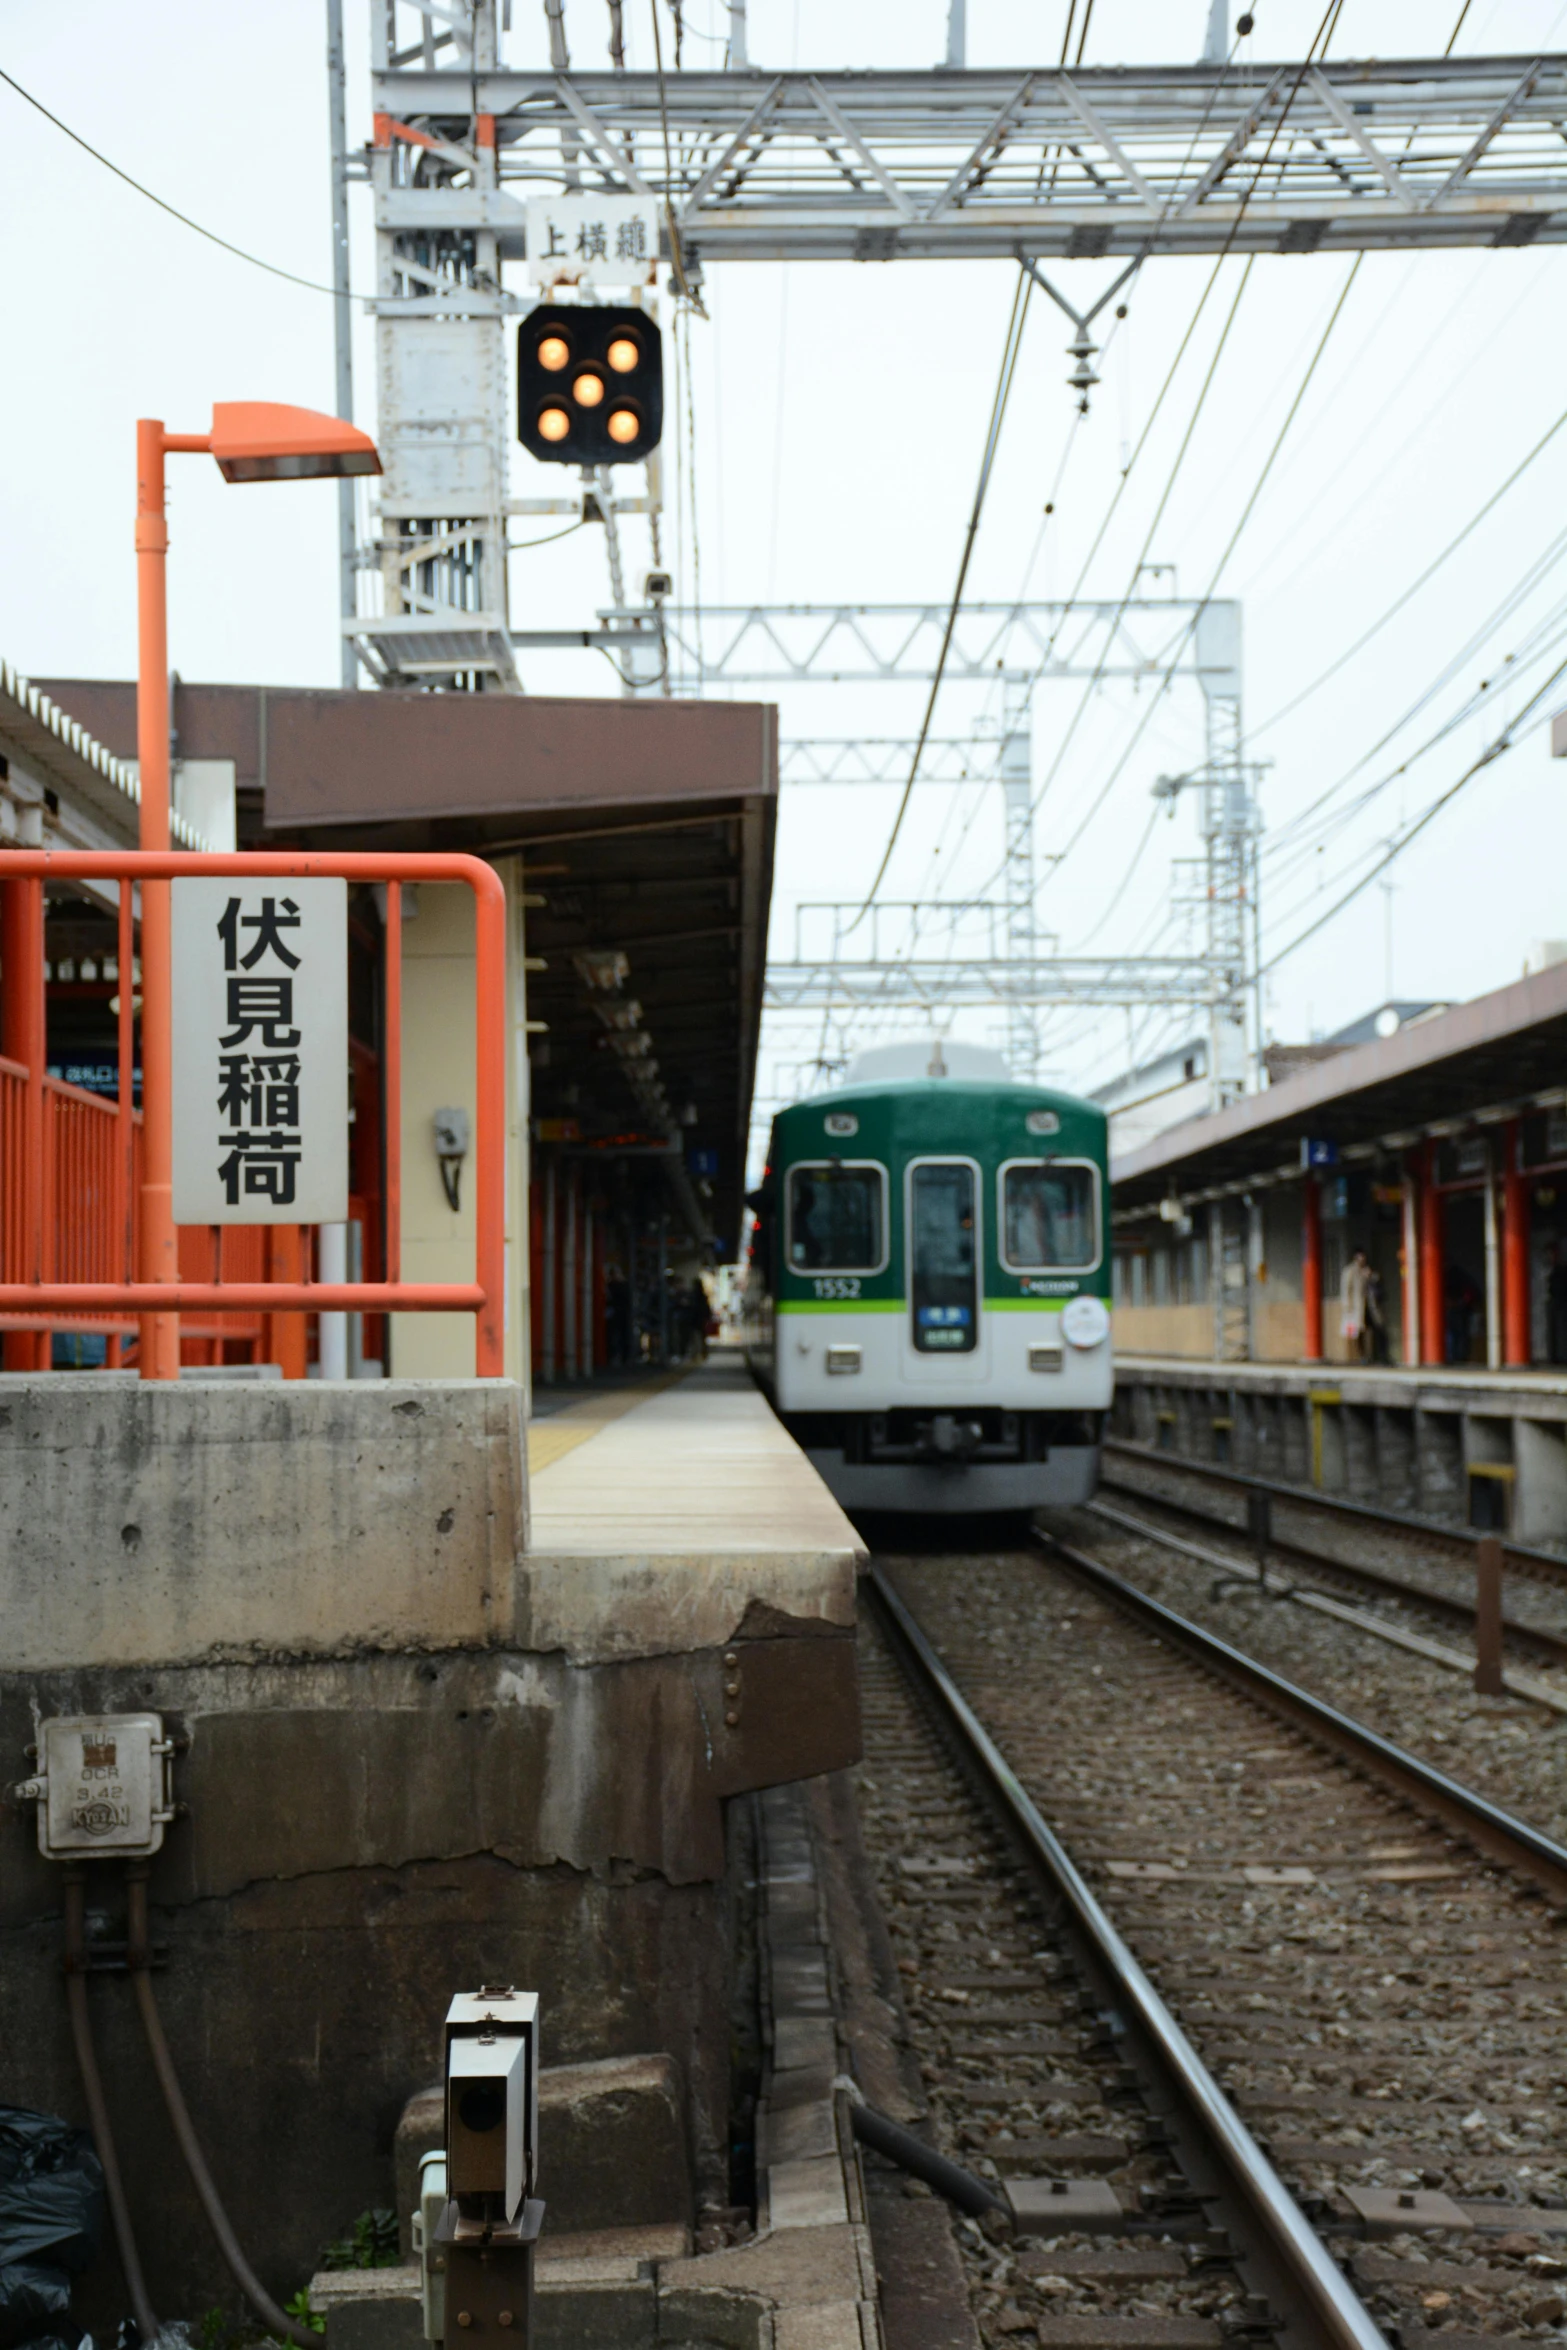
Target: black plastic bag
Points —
{"points": [[35, 2298], [51, 2191]]}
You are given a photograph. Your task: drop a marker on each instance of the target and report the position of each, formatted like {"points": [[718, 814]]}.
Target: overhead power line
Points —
{"points": [[289, 276], [1009, 355], [1432, 568], [1218, 571], [1504, 742]]}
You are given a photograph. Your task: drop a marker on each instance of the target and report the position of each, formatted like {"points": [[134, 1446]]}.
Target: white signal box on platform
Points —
{"points": [[260, 1051], [592, 240]]}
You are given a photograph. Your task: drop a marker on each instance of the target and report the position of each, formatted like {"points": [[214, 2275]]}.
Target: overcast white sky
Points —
{"points": [[839, 412]]}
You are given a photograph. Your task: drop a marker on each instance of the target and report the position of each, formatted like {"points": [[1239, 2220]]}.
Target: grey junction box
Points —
{"points": [[102, 1786]]}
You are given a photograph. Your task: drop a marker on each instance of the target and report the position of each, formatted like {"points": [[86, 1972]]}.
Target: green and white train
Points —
{"points": [[926, 1302]]}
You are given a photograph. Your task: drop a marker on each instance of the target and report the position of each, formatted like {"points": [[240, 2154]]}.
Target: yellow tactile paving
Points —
{"points": [[552, 1438]]}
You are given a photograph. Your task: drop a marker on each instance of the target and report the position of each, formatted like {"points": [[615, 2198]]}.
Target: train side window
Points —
{"points": [[837, 1218], [1049, 1216], [944, 1257]]}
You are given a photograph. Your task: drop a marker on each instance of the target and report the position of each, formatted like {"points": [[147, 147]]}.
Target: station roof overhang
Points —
{"points": [[646, 829], [1502, 1053]]}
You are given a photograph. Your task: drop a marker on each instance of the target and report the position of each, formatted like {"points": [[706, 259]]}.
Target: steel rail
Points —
{"points": [[1497, 1834], [1543, 1643], [1337, 2314], [1530, 1560]]}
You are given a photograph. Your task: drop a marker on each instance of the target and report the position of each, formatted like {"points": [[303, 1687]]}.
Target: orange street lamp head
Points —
{"points": [[261, 440]]}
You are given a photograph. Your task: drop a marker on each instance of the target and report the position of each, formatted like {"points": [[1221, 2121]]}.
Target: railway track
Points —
{"points": [[1333, 1512], [1424, 1573], [1238, 1952]]}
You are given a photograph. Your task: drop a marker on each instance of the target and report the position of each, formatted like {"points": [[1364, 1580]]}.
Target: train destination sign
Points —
{"points": [[260, 1051]]}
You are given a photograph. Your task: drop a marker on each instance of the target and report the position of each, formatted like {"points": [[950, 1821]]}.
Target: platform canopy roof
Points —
{"points": [[59, 782], [646, 829], [1503, 1052]]}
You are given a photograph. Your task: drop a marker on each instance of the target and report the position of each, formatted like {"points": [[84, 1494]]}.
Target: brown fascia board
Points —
{"points": [[332, 757], [1286, 1110], [375, 758]]}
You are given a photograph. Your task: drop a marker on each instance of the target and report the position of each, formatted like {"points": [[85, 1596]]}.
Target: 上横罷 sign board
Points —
{"points": [[260, 1051], [592, 240]]}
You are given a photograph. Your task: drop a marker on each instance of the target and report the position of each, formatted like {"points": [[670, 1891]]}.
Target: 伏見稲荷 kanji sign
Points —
{"points": [[260, 1051]]}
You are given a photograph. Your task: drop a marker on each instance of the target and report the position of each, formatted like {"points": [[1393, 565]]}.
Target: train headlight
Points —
{"points": [[1084, 1322]]}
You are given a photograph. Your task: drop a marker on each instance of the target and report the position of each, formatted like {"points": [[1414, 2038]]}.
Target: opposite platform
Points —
{"points": [[683, 1518]]}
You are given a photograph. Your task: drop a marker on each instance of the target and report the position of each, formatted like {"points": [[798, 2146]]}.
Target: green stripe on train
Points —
{"points": [[841, 1305]]}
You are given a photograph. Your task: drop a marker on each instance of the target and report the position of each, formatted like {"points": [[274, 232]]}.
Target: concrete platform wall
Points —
{"points": [[1484, 1449], [413, 1755]]}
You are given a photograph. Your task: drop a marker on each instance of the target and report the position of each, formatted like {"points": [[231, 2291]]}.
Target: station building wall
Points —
{"points": [[1163, 1301], [439, 1072]]}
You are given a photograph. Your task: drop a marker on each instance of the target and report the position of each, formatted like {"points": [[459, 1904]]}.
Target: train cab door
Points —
{"points": [[946, 1344]]}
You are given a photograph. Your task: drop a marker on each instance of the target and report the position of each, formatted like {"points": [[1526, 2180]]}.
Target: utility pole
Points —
{"points": [[1229, 833], [342, 323], [1017, 881], [443, 418]]}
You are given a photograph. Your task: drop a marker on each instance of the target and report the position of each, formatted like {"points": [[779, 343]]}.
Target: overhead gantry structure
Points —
{"points": [[968, 165], [1036, 163]]}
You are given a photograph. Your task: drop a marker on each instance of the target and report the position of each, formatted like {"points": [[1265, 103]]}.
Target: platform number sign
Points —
{"points": [[260, 1051]]}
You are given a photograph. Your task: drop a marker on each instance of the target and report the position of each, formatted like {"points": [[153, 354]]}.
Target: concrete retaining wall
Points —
{"points": [[1473, 1448], [181, 1522]]}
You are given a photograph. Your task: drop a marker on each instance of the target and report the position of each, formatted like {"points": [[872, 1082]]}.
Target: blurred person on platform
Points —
{"points": [[1353, 1290]]}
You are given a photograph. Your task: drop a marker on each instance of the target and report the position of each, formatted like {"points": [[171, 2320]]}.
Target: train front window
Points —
{"points": [[1048, 1221], [836, 1222], [943, 1259]]}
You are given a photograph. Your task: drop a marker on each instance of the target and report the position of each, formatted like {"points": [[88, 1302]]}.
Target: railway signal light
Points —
{"points": [[590, 384]]}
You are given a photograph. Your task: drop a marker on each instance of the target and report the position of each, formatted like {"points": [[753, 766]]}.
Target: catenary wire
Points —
{"points": [[1009, 356], [1319, 44], [1163, 686], [1429, 573], [1498, 748], [1334, 5], [1487, 694], [289, 276], [1289, 844]]}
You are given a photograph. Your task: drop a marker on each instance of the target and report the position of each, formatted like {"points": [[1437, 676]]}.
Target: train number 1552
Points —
{"points": [[839, 1285]]}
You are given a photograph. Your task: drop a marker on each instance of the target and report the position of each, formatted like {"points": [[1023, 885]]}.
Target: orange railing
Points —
{"points": [[86, 1183], [69, 1162], [90, 1180]]}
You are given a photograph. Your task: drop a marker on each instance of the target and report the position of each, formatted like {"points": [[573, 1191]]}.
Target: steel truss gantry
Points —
{"points": [[938, 985], [840, 759], [1038, 163], [1141, 638], [1145, 640], [947, 165]]}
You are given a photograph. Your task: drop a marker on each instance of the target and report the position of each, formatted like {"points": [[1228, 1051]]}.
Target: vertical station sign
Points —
{"points": [[260, 1051]]}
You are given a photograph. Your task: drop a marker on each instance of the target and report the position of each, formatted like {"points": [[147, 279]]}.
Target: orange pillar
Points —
{"points": [[287, 1340], [1515, 1251], [1311, 1270], [159, 1255], [23, 1037], [1433, 1304]]}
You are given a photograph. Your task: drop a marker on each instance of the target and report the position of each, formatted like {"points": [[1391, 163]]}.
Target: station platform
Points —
{"points": [[672, 1514], [1455, 1442]]}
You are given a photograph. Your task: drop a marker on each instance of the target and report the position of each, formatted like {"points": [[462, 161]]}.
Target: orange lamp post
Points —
{"points": [[251, 441]]}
